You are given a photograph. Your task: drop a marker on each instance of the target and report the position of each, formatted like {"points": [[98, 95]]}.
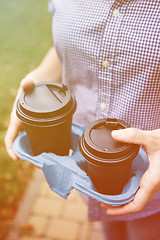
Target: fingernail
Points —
{"points": [[118, 133]]}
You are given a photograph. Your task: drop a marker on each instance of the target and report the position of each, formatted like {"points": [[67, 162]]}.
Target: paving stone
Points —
{"points": [[60, 229], [96, 235], [38, 223], [46, 191], [84, 231], [97, 226], [54, 218], [76, 212], [96, 231], [55, 196], [75, 196], [43, 191], [47, 207], [33, 238]]}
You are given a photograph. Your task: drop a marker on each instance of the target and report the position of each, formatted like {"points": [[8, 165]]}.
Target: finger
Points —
{"points": [[8, 143], [132, 135], [148, 186], [11, 153], [11, 134], [27, 83], [141, 199]]}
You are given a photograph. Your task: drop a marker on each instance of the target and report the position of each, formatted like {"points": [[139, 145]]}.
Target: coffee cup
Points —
{"points": [[108, 161], [46, 111]]}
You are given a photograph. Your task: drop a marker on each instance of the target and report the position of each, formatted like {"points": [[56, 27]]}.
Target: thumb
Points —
{"points": [[131, 135], [27, 82]]}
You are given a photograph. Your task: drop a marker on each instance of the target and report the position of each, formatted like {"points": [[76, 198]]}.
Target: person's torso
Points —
{"points": [[110, 56]]}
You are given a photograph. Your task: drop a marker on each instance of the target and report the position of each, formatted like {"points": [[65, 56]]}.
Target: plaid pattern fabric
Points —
{"points": [[126, 35], [110, 56]]}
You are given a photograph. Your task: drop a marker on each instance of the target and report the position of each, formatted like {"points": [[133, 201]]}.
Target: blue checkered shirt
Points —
{"points": [[110, 56]]}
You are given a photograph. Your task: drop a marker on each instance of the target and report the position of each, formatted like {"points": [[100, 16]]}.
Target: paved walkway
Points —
{"points": [[53, 218]]}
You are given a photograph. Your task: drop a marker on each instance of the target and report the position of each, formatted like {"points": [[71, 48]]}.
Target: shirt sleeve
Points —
{"points": [[51, 7]]}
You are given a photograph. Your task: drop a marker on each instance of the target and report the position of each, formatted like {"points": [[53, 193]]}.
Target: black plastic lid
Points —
{"points": [[97, 144], [46, 104]]}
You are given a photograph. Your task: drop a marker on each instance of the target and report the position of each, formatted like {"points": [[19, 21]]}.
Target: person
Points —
{"points": [[107, 53]]}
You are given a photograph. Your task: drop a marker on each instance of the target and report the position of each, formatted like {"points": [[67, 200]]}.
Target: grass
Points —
{"points": [[25, 37]]}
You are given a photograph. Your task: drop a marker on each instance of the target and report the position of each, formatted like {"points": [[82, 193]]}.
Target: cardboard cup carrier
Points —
{"points": [[108, 161], [46, 111]]}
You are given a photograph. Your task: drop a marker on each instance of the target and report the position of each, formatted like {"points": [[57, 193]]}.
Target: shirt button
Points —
{"points": [[105, 63], [116, 13], [103, 106]]}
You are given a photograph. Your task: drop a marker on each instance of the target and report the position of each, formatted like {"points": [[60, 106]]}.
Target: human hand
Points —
{"points": [[15, 125], [150, 181], [49, 70]]}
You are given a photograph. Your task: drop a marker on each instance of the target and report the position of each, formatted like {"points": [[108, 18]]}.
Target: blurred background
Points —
{"points": [[25, 37]]}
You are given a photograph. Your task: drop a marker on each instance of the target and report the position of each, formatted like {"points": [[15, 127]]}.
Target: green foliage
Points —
{"points": [[25, 37]]}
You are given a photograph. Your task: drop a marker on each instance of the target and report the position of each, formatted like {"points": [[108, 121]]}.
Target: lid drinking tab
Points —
{"points": [[97, 143], [111, 122], [46, 102]]}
